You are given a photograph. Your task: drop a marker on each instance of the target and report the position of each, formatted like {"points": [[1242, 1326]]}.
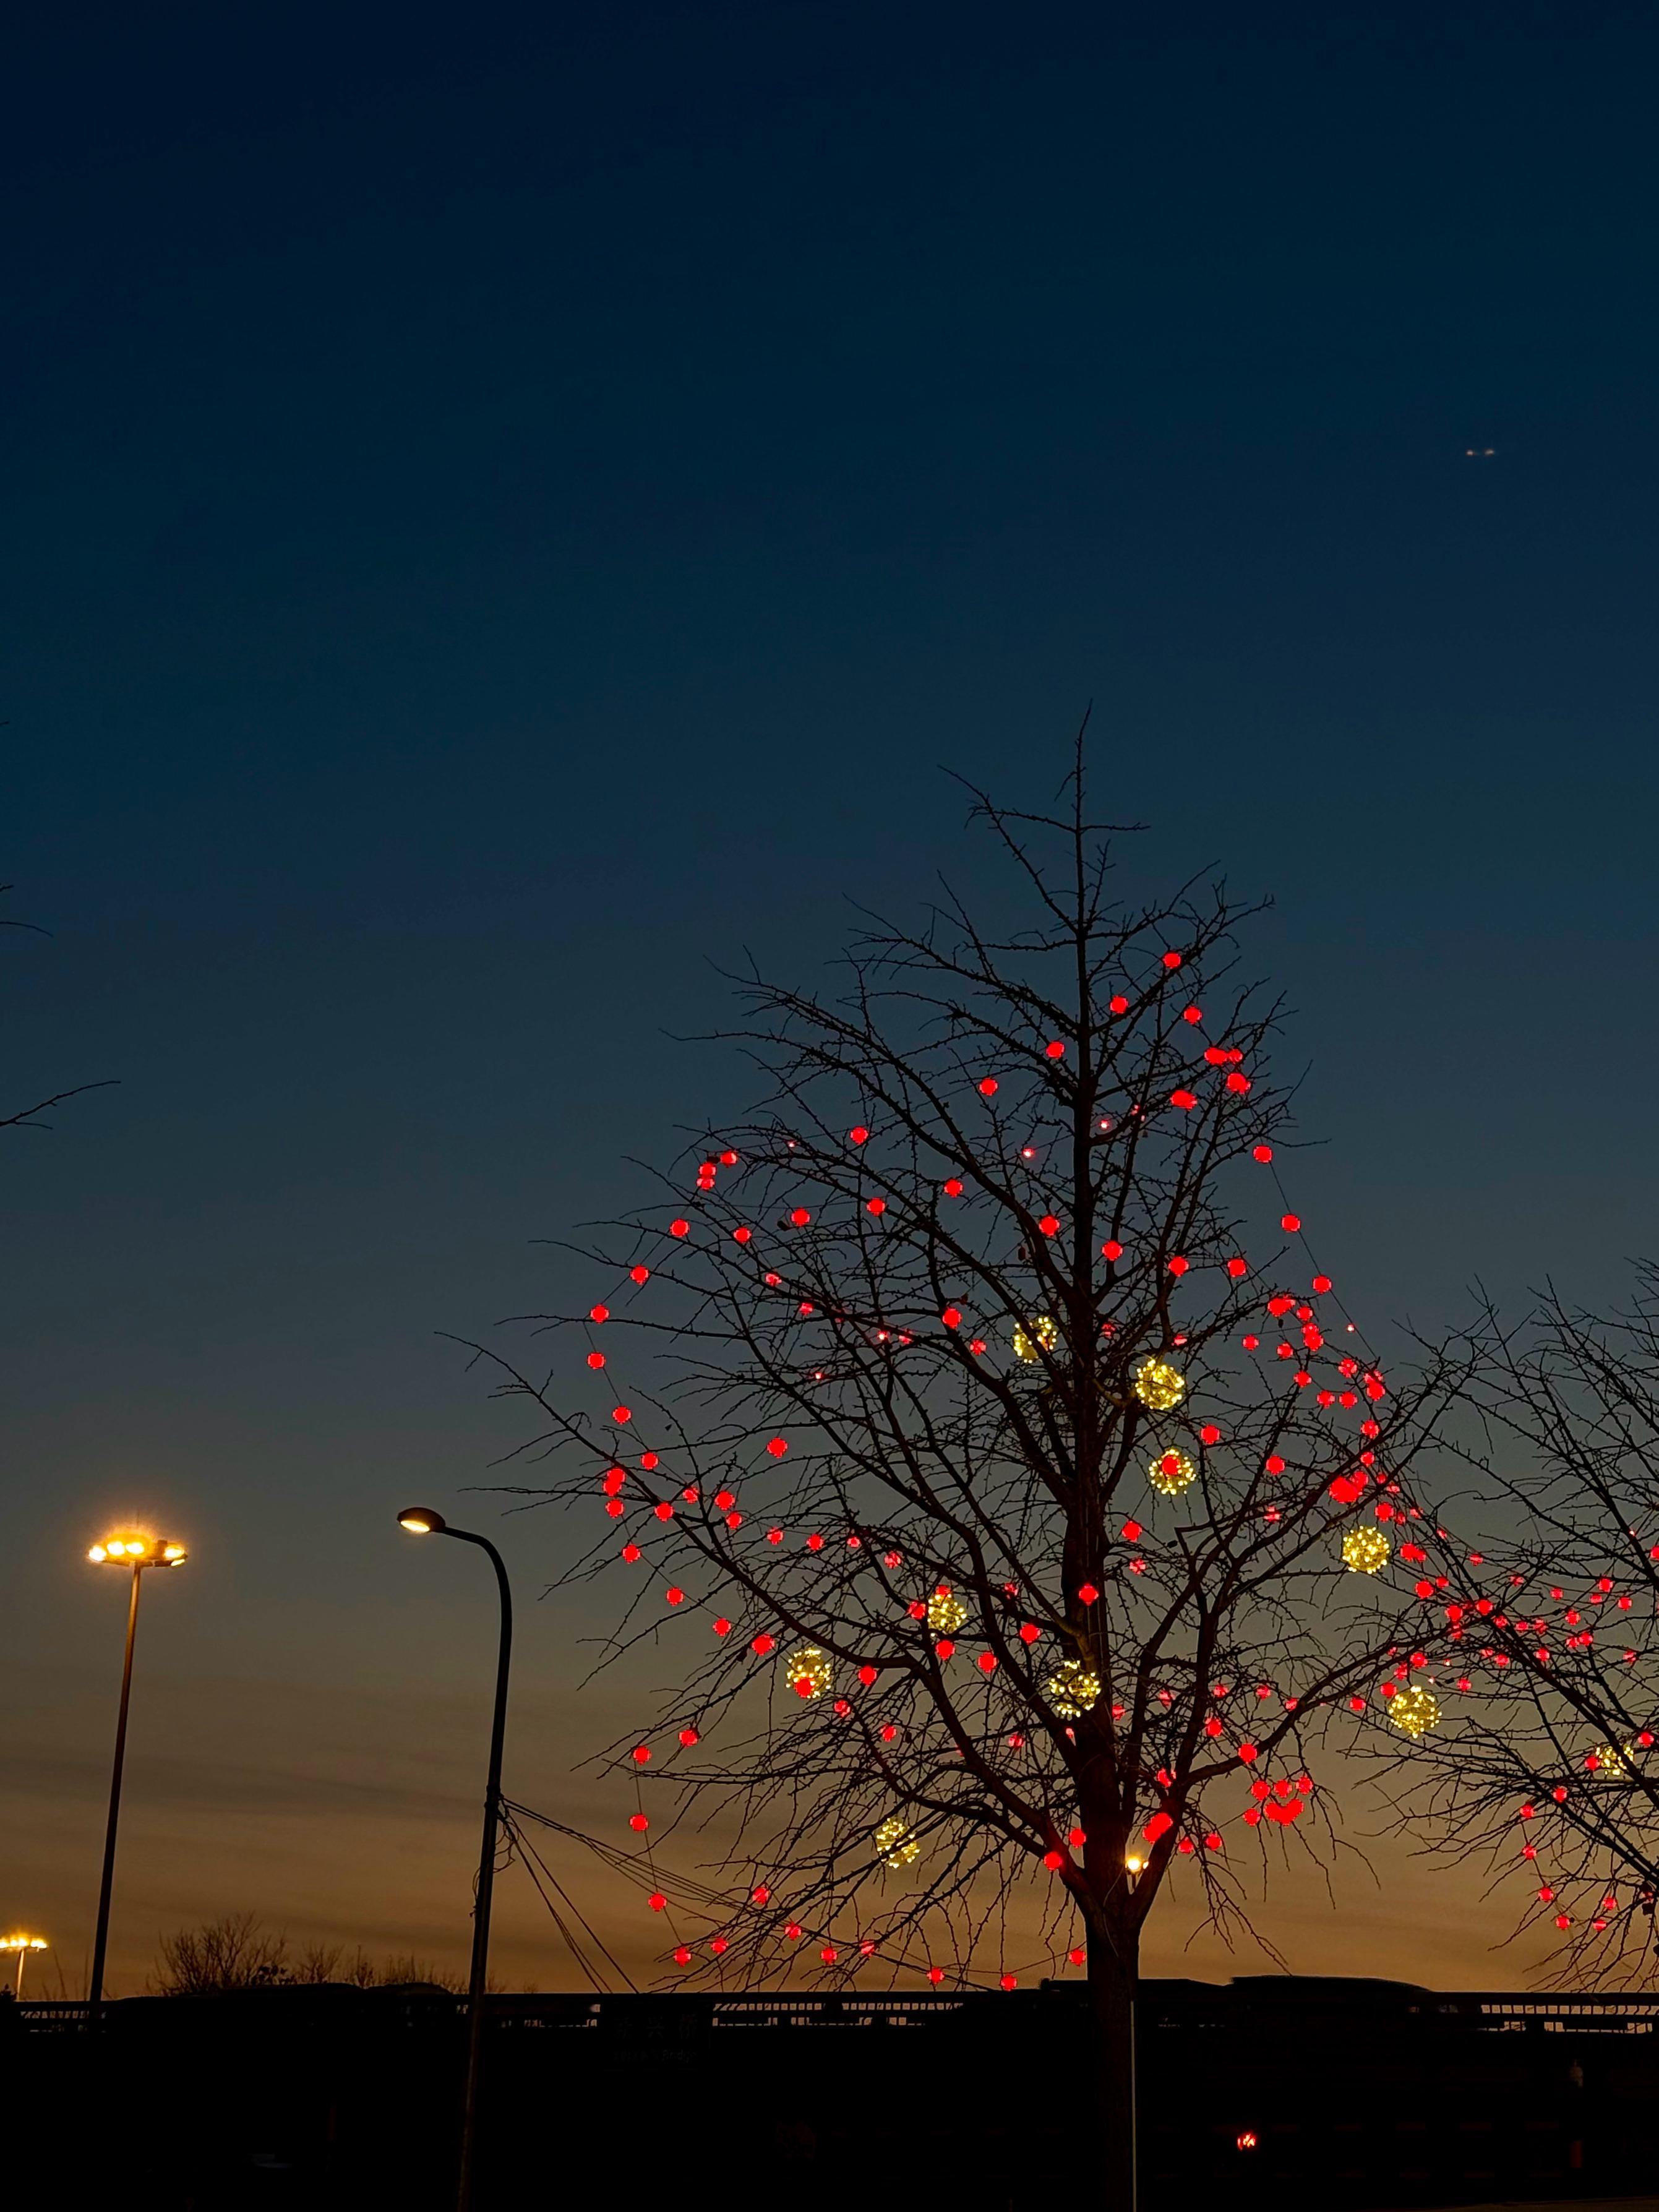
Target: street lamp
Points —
{"points": [[22, 1945], [126, 1549], [422, 1521]]}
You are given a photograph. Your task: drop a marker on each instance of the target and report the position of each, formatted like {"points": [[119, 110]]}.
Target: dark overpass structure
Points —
{"points": [[1280, 2091]]}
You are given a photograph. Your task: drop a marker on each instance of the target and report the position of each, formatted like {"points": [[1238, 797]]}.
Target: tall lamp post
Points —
{"points": [[422, 1521], [137, 1552], [22, 1945]]}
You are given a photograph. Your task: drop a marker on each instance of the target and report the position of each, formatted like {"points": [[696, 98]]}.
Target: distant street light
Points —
{"points": [[22, 1945], [125, 1550], [422, 1521]]}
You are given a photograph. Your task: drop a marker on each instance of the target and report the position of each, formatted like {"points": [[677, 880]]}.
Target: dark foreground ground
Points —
{"points": [[1356, 2094]]}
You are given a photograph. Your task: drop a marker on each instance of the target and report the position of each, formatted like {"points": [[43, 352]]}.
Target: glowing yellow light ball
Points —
{"points": [[1072, 1688], [1158, 1386], [897, 1843], [946, 1611], [1610, 1761], [807, 1671], [1366, 1551], [1415, 1710], [1171, 1472], [1041, 1333]]}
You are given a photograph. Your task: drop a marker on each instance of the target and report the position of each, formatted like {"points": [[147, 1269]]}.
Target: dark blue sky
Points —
{"points": [[505, 509]]}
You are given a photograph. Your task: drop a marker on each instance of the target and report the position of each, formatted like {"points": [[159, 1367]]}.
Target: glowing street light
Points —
{"points": [[422, 1521], [142, 1550], [127, 1548], [22, 1945]]}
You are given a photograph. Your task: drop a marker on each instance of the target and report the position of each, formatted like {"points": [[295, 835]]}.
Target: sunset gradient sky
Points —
{"points": [[507, 510]]}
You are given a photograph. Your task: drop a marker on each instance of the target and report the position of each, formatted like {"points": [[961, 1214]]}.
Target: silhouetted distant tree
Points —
{"points": [[238, 1952], [232, 1953]]}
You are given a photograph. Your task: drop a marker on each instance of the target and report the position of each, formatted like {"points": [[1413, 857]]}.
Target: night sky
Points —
{"points": [[508, 509]]}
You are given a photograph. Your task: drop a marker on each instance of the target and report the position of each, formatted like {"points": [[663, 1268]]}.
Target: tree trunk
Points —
{"points": [[1107, 2173]]}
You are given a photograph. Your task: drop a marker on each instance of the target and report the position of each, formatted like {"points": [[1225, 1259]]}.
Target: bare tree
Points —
{"points": [[232, 1953], [403, 1970], [238, 1952], [1548, 1772], [1003, 1473]]}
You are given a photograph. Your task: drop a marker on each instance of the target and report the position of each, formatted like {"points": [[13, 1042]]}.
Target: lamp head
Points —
{"points": [[24, 1944], [422, 1521], [127, 1548]]}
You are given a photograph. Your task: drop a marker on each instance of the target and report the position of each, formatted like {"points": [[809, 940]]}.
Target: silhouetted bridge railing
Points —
{"points": [[1260, 2094], [1237, 2005]]}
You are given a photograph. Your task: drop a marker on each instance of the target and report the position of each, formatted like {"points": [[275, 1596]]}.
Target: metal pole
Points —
{"points": [[1134, 2097], [475, 1998], [100, 1941], [18, 1992]]}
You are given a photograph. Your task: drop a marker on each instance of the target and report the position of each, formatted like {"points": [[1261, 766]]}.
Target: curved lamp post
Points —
{"points": [[422, 1521], [125, 1550]]}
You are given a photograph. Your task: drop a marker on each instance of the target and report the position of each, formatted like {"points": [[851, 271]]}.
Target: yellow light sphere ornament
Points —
{"points": [[807, 1671], [1158, 1386], [896, 1842], [1073, 1688], [1608, 1758], [1366, 1551], [1039, 1335], [1414, 1710], [945, 1611], [1171, 1472]]}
